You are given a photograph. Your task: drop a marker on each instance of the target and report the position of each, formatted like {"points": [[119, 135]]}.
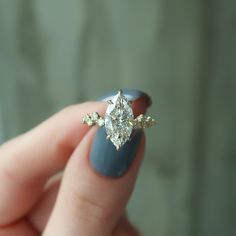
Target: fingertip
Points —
{"points": [[107, 161]]}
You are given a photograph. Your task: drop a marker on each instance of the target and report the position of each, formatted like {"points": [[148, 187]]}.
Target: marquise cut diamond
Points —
{"points": [[118, 119]]}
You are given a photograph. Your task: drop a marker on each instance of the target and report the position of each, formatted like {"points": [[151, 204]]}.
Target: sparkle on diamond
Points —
{"points": [[117, 120]]}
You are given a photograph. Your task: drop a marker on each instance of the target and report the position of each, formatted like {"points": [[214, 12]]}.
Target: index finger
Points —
{"points": [[28, 161]]}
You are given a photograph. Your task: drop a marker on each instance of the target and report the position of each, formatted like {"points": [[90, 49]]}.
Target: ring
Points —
{"points": [[119, 120]]}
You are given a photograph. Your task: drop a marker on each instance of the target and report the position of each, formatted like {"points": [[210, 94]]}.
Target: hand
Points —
{"points": [[36, 197]]}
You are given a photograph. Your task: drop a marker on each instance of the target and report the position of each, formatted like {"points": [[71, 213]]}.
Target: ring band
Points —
{"points": [[119, 120]]}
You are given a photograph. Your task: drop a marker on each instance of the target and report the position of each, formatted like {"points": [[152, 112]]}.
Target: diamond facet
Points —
{"points": [[117, 120]]}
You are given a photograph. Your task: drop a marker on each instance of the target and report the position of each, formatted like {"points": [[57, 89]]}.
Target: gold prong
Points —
{"points": [[131, 122], [120, 92], [130, 102]]}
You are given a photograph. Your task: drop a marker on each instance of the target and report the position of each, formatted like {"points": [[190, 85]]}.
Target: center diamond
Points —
{"points": [[117, 120]]}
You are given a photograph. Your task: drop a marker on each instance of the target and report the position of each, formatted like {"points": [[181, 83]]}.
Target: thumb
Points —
{"points": [[92, 202]]}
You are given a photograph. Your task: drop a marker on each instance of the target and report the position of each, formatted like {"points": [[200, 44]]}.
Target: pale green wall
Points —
{"points": [[54, 53]]}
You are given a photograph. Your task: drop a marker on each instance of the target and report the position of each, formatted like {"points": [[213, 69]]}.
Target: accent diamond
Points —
{"points": [[117, 120], [93, 119]]}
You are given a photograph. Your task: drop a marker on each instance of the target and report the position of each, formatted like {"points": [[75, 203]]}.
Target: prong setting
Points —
{"points": [[93, 119], [120, 92]]}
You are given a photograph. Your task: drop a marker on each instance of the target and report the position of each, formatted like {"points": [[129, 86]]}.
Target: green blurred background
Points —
{"points": [[54, 53]]}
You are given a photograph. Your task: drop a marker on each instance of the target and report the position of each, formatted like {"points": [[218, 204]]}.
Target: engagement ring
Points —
{"points": [[119, 120]]}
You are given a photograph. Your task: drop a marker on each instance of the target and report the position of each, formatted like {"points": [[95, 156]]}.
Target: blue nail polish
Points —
{"points": [[106, 160]]}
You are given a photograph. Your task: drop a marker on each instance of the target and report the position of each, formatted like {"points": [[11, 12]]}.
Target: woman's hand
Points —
{"points": [[37, 198]]}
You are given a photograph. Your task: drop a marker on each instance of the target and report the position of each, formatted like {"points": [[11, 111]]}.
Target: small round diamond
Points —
{"points": [[94, 116], [101, 122]]}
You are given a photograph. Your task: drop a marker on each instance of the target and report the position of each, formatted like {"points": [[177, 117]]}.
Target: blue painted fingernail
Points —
{"points": [[106, 160], [104, 157]]}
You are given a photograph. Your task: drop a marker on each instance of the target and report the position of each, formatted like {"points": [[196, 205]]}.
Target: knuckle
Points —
{"points": [[89, 209], [11, 177]]}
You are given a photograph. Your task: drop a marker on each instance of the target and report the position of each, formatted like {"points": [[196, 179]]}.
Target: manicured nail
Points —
{"points": [[106, 160], [104, 157]]}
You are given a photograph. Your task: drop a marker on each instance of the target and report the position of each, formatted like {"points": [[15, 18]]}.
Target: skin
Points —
{"points": [[37, 198]]}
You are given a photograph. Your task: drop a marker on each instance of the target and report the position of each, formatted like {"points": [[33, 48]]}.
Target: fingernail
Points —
{"points": [[106, 160]]}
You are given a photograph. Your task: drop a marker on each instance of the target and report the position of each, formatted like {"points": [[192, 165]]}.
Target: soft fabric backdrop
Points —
{"points": [[54, 53]]}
